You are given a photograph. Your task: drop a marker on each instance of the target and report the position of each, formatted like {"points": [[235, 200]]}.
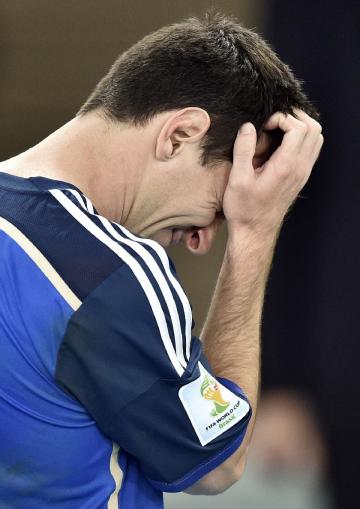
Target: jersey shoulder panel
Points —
{"points": [[81, 259]]}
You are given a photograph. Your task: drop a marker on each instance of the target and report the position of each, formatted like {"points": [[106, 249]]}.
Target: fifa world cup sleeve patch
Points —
{"points": [[211, 407]]}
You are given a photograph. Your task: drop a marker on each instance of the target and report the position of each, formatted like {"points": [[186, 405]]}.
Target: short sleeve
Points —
{"points": [[128, 356]]}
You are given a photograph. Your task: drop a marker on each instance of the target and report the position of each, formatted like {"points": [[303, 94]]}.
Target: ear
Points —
{"points": [[188, 125]]}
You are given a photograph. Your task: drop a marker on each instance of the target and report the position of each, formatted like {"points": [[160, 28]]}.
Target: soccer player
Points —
{"points": [[106, 399]]}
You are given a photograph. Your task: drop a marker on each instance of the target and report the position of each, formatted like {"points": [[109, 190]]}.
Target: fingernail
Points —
{"points": [[246, 128]]}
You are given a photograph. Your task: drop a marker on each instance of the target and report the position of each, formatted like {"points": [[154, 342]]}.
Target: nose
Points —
{"points": [[199, 240]]}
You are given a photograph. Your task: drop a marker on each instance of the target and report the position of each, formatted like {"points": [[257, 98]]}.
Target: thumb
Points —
{"points": [[244, 149]]}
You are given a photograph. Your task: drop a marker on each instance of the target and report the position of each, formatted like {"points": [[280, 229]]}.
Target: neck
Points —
{"points": [[99, 157]]}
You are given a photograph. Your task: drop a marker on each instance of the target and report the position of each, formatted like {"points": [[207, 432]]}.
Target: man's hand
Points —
{"points": [[258, 198]]}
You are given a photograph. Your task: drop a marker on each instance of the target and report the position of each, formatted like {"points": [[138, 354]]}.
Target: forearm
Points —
{"points": [[231, 334]]}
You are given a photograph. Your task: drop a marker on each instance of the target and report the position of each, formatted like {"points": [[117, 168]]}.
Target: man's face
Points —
{"points": [[178, 199], [192, 212]]}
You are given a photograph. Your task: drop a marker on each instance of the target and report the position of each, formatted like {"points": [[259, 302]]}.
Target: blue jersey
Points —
{"points": [[106, 399]]}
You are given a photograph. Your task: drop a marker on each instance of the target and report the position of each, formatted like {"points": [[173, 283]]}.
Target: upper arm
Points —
{"points": [[128, 357]]}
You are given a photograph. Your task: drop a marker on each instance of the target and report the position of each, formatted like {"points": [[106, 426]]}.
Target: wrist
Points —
{"points": [[256, 239]]}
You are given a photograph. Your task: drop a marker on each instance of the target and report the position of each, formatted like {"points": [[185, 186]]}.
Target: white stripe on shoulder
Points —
{"points": [[89, 205], [159, 276], [165, 262], [77, 196], [135, 267]]}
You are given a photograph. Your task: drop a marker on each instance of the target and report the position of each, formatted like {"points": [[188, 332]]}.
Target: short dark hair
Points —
{"points": [[211, 62]]}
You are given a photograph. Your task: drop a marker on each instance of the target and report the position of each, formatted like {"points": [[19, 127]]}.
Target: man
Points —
{"points": [[106, 399]]}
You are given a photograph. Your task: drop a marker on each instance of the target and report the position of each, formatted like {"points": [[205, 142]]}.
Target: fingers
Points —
{"points": [[314, 130], [244, 150], [295, 130], [258, 199], [302, 136]]}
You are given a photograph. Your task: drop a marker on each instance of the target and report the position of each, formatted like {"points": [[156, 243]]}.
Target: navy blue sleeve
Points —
{"points": [[128, 358]]}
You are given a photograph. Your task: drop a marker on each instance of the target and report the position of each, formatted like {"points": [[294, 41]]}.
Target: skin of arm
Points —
{"points": [[255, 203]]}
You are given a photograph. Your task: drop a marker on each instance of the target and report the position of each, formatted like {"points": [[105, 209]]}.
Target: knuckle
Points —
{"points": [[275, 117], [318, 127], [303, 127], [234, 188], [300, 125], [315, 126], [241, 183], [284, 119]]}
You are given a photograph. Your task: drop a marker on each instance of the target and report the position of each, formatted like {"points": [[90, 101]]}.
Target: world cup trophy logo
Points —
{"points": [[210, 390]]}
